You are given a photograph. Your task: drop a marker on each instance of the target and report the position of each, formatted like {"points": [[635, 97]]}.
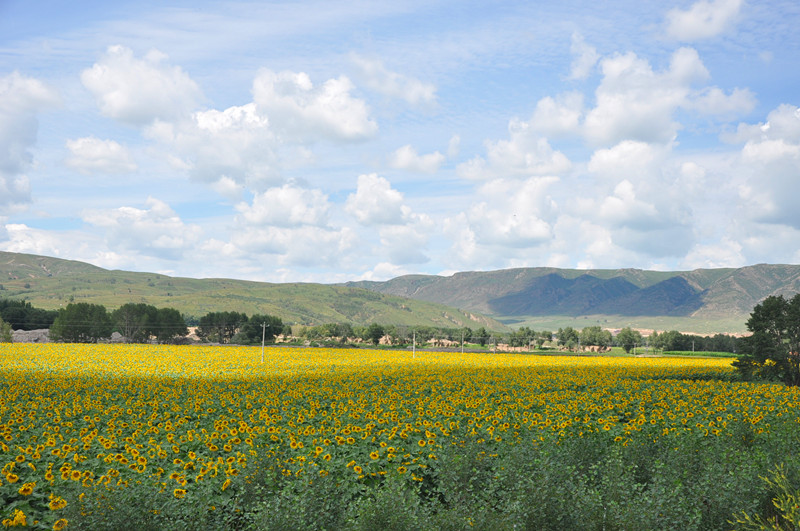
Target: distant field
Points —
{"points": [[200, 437], [660, 323], [700, 354]]}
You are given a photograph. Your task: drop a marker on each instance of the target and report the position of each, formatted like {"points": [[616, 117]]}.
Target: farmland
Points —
{"points": [[92, 436]]}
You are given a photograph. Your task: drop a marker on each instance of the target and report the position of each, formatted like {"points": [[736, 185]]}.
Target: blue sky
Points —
{"points": [[311, 141]]}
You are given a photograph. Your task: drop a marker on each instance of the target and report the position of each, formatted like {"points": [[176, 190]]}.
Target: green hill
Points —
{"points": [[702, 301], [51, 283]]}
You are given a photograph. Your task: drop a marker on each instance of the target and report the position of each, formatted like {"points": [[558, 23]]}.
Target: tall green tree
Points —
{"points": [[567, 337], [595, 335], [136, 321], [251, 332], [81, 322], [628, 338], [170, 325], [374, 333], [774, 347], [220, 327], [5, 332]]}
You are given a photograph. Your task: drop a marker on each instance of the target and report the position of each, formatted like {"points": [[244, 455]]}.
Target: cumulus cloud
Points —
{"points": [[291, 224], [375, 202], [403, 234], [406, 158], [300, 111], [725, 253], [287, 206], [633, 160], [154, 231], [515, 216], [702, 20], [636, 103], [392, 84], [770, 162], [21, 99], [525, 154], [585, 57], [91, 155], [139, 91], [713, 100], [558, 116], [234, 146]]}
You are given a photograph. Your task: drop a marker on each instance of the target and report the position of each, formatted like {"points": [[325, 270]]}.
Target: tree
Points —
{"points": [[270, 326], [594, 335], [481, 335], [567, 337], [220, 326], [773, 349], [136, 322], [81, 322], [22, 316], [5, 332], [374, 333], [542, 337], [628, 339], [170, 325]]}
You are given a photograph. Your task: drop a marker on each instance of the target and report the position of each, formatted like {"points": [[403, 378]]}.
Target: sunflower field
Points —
{"points": [[190, 437]]}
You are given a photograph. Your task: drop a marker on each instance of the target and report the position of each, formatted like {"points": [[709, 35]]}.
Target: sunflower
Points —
{"points": [[179, 493], [60, 524], [56, 503], [27, 489]]}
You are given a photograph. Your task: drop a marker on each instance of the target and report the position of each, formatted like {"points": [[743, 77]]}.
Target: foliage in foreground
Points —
{"points": [[208, 437]]}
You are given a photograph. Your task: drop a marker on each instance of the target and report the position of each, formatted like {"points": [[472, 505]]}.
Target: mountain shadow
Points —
{"points": [[553, 294]]}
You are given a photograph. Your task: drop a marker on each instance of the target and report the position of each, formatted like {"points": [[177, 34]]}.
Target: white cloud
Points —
{"points": [[375, 202], [713, 100], [91, 155], [392, 84], [726, 253], [512, 214], [406, 244], [21, 99], [627, 160], [234, 144], [657, 226], [783, 123], [403, 234], [702, 20], [558, 116], [287, 206], [138, 91], [406, 158], [228, 188], [525, 154], [454, 146], [768, 167], [636, 103], [585, 57], [153, 231], [300, 111], [291, 226]]}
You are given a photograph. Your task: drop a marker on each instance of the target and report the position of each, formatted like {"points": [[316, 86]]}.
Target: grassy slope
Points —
{"points": [[53, 283]]}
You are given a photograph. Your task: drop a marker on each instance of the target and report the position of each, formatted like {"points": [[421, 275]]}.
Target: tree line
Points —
{"points": [[139, 322]]}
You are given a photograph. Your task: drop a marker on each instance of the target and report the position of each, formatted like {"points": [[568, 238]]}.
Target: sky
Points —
{"points": [[318, 141]]}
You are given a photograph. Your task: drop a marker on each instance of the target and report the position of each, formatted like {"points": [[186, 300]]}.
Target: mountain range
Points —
{"points": [[701, 301]]}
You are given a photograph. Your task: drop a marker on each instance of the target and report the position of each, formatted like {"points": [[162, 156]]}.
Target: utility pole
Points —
{"points": [[263, 336]]}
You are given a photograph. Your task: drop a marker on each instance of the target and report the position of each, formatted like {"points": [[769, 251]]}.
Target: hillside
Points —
{"points": [[703, 300], [51, 283]]}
